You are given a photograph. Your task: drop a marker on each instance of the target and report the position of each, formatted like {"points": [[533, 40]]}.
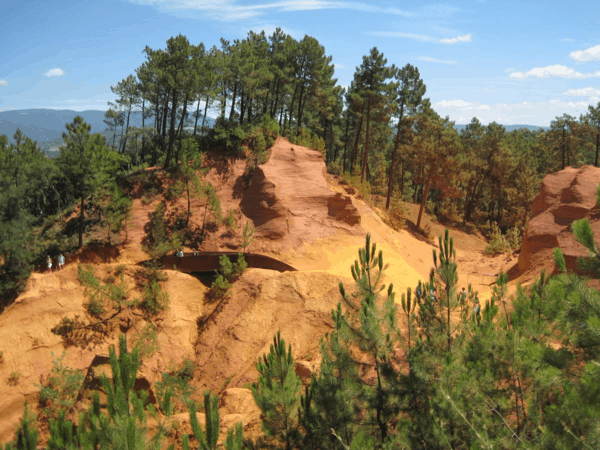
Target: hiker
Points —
{"points": [[418, 291], [49, 263], [61, 261], [476, 305], [179, 253], [463, 296], [433, 297]]}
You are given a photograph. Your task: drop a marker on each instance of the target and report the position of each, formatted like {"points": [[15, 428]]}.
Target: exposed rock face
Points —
{"points": [[565, 196], [262, 302], [289, 200]]}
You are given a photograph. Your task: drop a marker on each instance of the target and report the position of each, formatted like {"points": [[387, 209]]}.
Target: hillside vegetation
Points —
{"points": [[427, 367]]}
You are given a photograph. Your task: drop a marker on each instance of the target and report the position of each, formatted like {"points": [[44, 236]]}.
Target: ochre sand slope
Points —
{"points": [[302, 217]]}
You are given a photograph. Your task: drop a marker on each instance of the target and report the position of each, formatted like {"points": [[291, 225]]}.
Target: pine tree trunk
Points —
{"points": [[392, 167], [169, 155], [424, 199], [204, 117], [356, 141], [143, 154], [81, 219], [597, 148], [235, 85], [127, 128], [180, 129], [197, 115], [366, 154], [300, 108], [289, 116]]}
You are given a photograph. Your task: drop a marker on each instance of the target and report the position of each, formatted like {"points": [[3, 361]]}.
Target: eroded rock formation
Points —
{"points": [[289, 200], [565, 196]]}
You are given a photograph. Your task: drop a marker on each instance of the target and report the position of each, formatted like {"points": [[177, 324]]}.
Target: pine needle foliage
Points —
{"points": [[276, 393], [207, 438]]}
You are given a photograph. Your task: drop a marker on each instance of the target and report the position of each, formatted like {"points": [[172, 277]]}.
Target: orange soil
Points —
{"points": [[229, 336]]}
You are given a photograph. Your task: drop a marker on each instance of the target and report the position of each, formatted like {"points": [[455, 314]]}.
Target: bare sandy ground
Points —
{"points": [[311, 225]]}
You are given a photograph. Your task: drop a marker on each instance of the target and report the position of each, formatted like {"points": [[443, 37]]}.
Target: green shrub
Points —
{"points": [[334, 168], [230, 220], [270, 129], [159, 240], [177, 381], [14, 378], [146, 342], [247, 236], [60, 389], [363, 190], [397, 214], [498, 242], [219, 289], [232, 271], [98, 294], [154, 300], [306, 138], [227, 274], [514, 237]]}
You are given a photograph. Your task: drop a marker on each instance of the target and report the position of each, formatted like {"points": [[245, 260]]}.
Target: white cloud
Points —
{"points": [[465, 38], [339, 66], [400, 34], [231, 10], [455, 104], [421, 37], [441, 61], [523, 113], [54, 73], [3, 82], [556, 70], [583, 92], [590, 54]]}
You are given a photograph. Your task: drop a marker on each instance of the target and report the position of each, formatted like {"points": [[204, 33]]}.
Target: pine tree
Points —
{"points": [[27, 435], [207, 439], [371, 326], [409, 91], [86, 162], [277, 393]]}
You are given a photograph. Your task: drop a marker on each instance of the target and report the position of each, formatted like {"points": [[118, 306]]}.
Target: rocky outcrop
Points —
{"points": [[289, 200], [565, 196]]}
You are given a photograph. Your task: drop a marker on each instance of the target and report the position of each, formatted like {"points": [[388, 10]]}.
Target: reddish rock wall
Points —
{"points": [[565, 196]]}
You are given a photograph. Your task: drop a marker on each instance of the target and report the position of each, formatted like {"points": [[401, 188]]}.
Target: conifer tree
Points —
{"points": [[409, 91], [27, 435], [276, 393], [370, 326], [85, 161], [207, 439]]}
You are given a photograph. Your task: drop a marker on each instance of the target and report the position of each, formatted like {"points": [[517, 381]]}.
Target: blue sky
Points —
{"points": [[504, 61]]}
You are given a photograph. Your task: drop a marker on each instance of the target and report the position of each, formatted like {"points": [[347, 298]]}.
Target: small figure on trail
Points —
{"points": [[418, 291], [179, 253], [61, 261], [49, 263], [476, 305], [433, 296], [463, 296]]}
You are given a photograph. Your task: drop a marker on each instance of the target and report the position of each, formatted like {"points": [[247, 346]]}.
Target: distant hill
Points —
{"points": [[460, 127], [46, 126]]}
